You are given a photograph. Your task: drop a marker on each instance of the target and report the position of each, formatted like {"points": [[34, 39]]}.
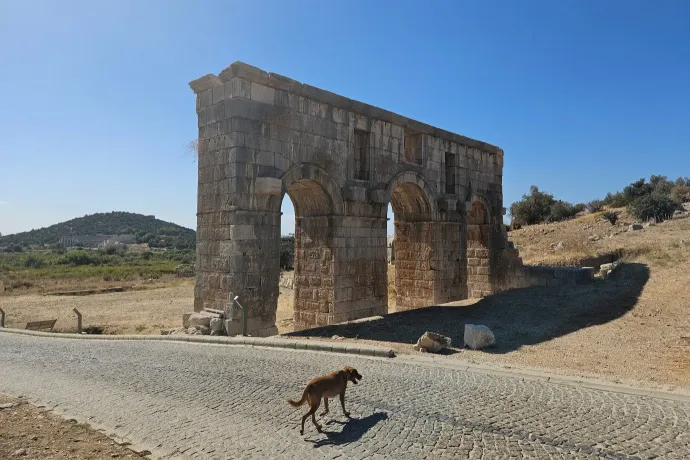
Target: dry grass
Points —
{"points": [[147, 311], [589, 236]]}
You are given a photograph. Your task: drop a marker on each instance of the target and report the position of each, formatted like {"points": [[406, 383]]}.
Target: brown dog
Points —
{"points": [[326, 386]]}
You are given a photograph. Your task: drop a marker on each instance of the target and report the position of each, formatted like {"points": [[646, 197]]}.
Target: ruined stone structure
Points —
{"points": [[263, 136]]}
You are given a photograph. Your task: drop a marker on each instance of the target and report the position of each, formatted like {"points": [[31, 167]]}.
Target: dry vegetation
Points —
{"points": [[589, 235]]}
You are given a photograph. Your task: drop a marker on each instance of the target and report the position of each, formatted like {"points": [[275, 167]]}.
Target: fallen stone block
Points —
{"points": [[478, 336], [432, 342], [634, 227], [199, 319]]}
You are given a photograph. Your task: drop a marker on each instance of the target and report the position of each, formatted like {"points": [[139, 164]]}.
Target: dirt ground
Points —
{"points": [[614, 328], [145, 311], [633, 326], [27, 432]]}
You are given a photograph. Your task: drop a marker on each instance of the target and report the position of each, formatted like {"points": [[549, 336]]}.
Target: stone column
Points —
{"points": [[314, 271], [360, 286]]}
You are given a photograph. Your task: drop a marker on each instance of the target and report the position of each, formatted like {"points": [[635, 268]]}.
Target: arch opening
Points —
{"points": [[306, 253], [410, 250]]}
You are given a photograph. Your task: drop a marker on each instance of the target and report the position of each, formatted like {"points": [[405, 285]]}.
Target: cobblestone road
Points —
{"points": [[220, 402]]}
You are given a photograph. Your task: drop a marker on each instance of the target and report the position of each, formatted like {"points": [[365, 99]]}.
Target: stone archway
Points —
{"points": [[414, 246], [317, 203], [313, 283], [478, 249]]}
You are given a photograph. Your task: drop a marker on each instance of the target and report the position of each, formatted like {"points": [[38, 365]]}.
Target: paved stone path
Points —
{"points": [[220, 402]]}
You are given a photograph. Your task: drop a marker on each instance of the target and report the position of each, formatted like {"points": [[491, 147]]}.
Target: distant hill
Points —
{"points": [[148, 229]]}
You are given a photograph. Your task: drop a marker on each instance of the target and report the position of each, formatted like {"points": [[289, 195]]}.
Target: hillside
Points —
{"points": [[148, 229], [588, 236]]}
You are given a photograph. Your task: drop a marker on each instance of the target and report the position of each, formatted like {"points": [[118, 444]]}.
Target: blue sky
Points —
{"points": [[96, 112]]}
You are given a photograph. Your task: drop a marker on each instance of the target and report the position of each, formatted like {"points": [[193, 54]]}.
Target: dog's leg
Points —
{"points": [[325, 403], [301, 431], [314, 406], [342, 403]]}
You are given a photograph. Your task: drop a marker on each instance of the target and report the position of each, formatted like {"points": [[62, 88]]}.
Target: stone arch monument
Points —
{"points": [[262, 135]]}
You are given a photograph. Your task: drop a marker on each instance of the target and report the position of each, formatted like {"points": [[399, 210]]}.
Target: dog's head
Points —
{"points": [[352, 374]]}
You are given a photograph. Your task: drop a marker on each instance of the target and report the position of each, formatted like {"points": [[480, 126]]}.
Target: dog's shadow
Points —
{"points": [[353, 429]]}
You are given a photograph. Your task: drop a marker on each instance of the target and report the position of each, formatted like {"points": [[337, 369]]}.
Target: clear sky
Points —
{"points": [[584, 96]]}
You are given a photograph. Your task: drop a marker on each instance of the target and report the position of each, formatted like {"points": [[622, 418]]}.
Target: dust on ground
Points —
{"points": [[27, 432]]}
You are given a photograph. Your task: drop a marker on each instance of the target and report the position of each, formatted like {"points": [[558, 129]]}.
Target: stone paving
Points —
{"points": [[220, 402]]}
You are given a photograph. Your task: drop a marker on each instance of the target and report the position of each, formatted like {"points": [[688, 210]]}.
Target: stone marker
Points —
{"points": [[432, 342], [478, 336]]}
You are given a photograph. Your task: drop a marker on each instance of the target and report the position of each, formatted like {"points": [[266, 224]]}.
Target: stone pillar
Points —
{"points": [[238, 253], [415, 264], [360, 281], [451, 282], [313, 271]]}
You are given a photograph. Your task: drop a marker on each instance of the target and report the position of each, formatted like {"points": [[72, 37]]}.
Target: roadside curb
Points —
{"points": [[516, 371], [270, 342]]}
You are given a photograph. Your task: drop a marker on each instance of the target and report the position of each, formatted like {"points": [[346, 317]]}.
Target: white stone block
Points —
{"points": [[478, 336]]}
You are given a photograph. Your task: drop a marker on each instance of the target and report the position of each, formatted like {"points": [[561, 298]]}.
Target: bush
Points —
{"points": [[533, 208], [611, 216], [637, 189], [287, 251], [33, 261], [561, 210], [595, 206], [616, 200], [110, 250], [77, 258], [578, 208], [652, 206], [13, 247], [680, 194]]}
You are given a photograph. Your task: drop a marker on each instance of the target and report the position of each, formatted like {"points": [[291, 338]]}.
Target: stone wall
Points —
{"points": [[263, 136]]}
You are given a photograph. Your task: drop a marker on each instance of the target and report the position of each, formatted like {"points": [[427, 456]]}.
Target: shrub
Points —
{"points": [[595, 206], [680, 194], [33, 261], [637, 189], [652, 206], [287, 251], [611, 216], [13, 247], [616, 200], [532, 208], [77, 258], [561, 210], [578, 208], [110, 250]]}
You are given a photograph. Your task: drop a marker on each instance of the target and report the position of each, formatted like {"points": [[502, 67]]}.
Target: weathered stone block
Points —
{"points": [[268, 186], [478, 336]]}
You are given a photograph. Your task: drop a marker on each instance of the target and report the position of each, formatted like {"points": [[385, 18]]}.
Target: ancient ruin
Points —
{"points": [[262, 136]]}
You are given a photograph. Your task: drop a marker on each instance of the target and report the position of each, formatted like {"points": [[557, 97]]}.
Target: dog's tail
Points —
{"points": [[301, 401]]}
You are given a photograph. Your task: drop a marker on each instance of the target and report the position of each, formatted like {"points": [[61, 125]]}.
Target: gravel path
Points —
{"points": [[218, 402]]}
